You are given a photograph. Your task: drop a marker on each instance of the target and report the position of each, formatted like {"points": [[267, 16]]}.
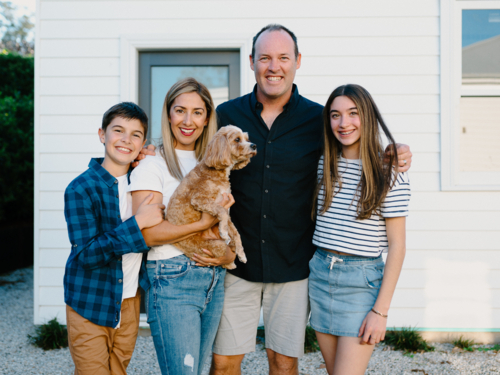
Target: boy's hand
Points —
{"points": [[150, 150], [404, 156], [149, 215]]}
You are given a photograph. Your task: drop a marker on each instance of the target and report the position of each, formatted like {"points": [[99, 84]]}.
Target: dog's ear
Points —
{"points": [[241, 164], [218, 154]]}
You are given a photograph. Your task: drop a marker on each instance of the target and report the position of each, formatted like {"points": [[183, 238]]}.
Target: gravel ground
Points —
{"points": [[17, 356]]}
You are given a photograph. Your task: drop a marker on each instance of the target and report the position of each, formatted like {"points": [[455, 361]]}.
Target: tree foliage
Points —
{"points": [[16, 138], [15, 31]]}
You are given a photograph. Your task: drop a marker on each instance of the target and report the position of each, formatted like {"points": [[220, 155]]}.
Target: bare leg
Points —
{"points": [[328, 345], [280, 364], [226, 364], [351, 358]]}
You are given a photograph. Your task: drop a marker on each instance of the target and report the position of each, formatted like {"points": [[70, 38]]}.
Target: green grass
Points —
{"points": [[407, 339], [310, 344], [495, 348], [464, 344], [49, 336]]}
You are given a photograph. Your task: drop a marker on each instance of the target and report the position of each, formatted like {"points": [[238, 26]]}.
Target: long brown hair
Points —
{"points": [[377, 177], [167, 147]]}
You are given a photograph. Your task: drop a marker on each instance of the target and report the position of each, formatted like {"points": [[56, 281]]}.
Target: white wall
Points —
{"points": [[451, 277]]}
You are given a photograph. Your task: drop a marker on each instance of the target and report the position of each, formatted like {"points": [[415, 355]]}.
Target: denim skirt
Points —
{"points": [[342, 290]]}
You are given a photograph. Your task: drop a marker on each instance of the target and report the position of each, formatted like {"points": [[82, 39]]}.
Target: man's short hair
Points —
{"points": [[126, 110], [275, 27]]}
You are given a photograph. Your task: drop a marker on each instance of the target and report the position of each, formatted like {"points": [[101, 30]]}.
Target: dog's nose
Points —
{"points": [[253, 146]]}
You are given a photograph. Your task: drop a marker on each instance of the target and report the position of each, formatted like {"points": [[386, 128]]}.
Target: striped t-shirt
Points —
{"points": [[338, 229]]}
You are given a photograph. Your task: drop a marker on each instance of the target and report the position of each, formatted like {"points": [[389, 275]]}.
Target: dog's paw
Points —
{"points": [[230, 266], [242, 257]]}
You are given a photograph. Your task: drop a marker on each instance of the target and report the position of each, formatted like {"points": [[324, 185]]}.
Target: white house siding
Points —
{"points": [[451, 276]]}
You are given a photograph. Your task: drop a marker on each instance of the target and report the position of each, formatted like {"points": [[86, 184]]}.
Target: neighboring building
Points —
{"points": [[408, 54]]}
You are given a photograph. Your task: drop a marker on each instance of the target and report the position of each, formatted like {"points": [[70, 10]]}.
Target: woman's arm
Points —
{"points": [[375, 325], [166, 233]]}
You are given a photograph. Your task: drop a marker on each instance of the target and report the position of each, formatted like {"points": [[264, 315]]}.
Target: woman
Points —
{"points": [[362, 204], [184, 302]]}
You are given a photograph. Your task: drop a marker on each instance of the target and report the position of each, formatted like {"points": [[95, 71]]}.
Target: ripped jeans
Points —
{"points": [[184, 306]]}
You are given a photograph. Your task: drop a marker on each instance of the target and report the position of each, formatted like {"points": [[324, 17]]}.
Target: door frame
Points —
{"points": [[131, 45]]}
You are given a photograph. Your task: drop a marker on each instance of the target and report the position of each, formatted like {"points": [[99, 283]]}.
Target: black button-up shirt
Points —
{"points": [[274, 192]]}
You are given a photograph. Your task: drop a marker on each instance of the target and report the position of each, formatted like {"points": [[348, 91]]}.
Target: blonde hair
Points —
{"points": [[167, 147], [377, 177]]}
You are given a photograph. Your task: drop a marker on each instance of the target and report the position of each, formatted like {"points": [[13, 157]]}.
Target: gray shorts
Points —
{"points": [[286, 311]]}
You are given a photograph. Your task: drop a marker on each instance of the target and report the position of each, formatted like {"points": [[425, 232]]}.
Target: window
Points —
{"points": [[470, 88], [158, 71]]}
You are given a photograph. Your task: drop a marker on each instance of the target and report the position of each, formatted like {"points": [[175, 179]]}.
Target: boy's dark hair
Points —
{"points": [[126, 110], [275, 27]]}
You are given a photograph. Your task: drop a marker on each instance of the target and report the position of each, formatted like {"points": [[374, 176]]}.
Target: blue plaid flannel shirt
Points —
{"points": [[93, 281]]}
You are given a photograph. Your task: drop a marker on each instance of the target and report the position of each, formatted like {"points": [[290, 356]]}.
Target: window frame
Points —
{"points": [[451, 91]]}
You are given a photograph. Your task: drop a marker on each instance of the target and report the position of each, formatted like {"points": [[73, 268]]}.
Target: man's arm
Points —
{"points": [[404, 156]]}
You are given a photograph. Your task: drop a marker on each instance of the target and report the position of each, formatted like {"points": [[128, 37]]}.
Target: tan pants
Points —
{"points": [[99, 350]]}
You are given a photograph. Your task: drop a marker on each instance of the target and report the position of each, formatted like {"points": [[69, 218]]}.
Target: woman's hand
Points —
{"points": [[211, 260], [372, 329], [404, 156], [207, 221], [150, 150]]}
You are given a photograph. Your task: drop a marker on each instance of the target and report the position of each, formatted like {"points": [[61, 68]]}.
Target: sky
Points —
{"points": [[24, 6]]}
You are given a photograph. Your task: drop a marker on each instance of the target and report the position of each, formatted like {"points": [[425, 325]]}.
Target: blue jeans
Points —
{"points": [[184, 305]]}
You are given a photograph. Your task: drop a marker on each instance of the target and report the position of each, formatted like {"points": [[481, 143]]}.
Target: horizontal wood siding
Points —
{"points": [[452, 269]]}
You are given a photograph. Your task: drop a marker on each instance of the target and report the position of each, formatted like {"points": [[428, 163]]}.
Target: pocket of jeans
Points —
{"points": [[172, 271], [373, 275]]}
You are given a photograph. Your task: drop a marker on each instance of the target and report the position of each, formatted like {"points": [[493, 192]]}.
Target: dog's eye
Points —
{"points": [[237, 139]]}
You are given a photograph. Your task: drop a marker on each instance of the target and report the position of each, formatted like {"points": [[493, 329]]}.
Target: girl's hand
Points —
{"points": [[372, 329], [150, 150], [210, 260]]}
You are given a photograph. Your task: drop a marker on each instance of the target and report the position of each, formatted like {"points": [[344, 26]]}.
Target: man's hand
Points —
{"points": [[149, 215], [210, 260], [150, 150], [404, 156]]}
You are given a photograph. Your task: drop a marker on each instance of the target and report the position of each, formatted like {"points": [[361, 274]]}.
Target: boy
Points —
{"points": [[105, 266]]}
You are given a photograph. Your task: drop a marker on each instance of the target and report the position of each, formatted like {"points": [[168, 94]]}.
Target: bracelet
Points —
{"points": [[379, 313]]}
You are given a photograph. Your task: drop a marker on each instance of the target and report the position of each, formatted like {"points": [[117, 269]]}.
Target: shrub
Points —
{"points": [[50, 336], [464, 344], [16, 138], [407, 339]]}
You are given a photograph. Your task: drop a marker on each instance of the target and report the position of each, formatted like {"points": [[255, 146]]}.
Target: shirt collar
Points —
{"points": [[96, 167], [256, 105]]}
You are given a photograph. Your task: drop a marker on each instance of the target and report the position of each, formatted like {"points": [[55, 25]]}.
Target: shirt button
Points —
{"points": [[269, 142], [118, 195], [117, 302], [267, 191], [119, 217], [120, 281], [75, 245], [264, 216], [263, 241], [116, 181], [267, 166]]}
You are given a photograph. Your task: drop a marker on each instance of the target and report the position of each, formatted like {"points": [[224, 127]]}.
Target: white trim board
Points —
{"points": [[450, 80], [131, 45]]}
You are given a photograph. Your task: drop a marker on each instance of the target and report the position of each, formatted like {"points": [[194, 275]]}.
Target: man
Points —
{"points": [[273, 210]]}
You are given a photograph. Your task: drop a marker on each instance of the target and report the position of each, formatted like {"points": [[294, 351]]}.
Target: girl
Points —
{"points": [[361, 209], [184, 302]]}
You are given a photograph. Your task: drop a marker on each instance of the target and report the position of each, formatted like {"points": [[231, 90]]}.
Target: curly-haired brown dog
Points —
{"points": [[202, 188]]}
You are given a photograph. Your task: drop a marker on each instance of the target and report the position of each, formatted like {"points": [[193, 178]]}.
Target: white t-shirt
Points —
{"points": [[338, 229], [131, 262], [152, 174]]}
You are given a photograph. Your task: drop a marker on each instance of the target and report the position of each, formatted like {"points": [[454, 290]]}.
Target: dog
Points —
{"points": [[201, 190]]}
